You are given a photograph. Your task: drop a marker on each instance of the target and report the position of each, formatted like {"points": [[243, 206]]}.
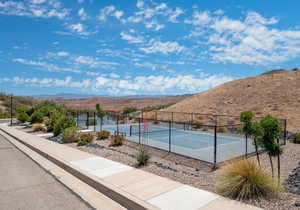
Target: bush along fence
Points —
{"points": [[206, 137]]}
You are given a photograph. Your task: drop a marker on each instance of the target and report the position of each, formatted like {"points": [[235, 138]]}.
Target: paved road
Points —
{"points": [[24, 185]]}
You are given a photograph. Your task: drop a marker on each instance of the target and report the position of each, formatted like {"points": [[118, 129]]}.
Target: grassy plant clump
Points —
{"points": [[87, 137], [117, 140], [38, 127], [103, 135], [243, 180], [143, 157], [296, 138], [91, 122], [71, 135], [222, 130], [23, 117], [81, 143], [198, 125]]}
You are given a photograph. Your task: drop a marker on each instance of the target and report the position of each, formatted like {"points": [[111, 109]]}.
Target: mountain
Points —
{"points": [[275, 92], [62, 96]]}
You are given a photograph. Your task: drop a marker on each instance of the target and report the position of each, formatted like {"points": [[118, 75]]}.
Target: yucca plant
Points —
{"points": [[244, 179]]}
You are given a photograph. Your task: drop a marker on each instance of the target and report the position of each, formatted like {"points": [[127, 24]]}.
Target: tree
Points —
{"points": [[256, 133], [246, 118], [270, 139], [129, 109], [100, 113]]}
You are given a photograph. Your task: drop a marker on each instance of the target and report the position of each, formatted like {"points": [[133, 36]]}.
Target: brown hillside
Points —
{"points": [[276, 93], [118, 103]]}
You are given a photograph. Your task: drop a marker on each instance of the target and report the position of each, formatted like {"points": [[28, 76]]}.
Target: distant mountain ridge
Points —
{"points": [[82, 96]]}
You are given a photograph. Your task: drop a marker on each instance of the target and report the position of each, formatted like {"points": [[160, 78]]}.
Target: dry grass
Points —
{"points": [[245, 180], [274, 93], [38, 127]]}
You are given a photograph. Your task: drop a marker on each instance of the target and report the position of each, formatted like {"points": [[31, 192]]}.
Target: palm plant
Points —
{"points": [[246, 117], [100, 113]]}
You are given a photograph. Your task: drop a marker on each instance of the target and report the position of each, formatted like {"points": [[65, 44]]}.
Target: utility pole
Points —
{"points": [[11, 109]]}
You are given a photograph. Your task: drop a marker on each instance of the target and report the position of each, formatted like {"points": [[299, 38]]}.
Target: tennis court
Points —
{"points": [[195, 144]]}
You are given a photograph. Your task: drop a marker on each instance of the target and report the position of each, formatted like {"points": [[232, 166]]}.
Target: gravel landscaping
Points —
{"points": [[200, 174]]}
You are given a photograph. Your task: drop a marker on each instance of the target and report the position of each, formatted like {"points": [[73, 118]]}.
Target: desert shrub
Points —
{"points": [[155, 122], [244, 180], [23, 117], [70, 135], [198, 125], [103, 135], [91, 122], [121, 121], [222, 130], [205, 129], [142, 157], [38, 127], [129, 109], [36, 117], [81, 143], [87, 137], [62, 123], [295, 138], [117, 140]]}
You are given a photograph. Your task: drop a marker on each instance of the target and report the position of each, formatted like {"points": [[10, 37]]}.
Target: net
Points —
{"points": [[145, 128]]}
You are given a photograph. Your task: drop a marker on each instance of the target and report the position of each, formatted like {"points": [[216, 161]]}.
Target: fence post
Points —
{"points": [[77, 118], [155, 115], [130, 130], [87, 120], [246, 149], [139, 130], [215, 148], [117, 124], [285, 131], [170, 124], [95, 121], [172, 115], [11, 109]]}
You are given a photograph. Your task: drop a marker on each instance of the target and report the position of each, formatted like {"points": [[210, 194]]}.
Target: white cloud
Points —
{"points": [[150, 84], [82, 14], [250, 41], [162, 47], [34, 8], [110, 11], [150, 14], [63, 54], [92, 62], [131, 38], [79, 28], [44, 65]]}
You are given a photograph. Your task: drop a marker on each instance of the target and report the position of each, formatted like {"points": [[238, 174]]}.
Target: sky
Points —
{"points": [[143, 47]]}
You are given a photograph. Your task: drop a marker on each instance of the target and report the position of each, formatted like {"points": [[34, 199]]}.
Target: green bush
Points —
{"points": [[91, 122], [198, 125], [81, 143], [71, 135], [244, 180], [23, 117], [36, 117], [62, 123], [142, 157], [295, 138], [103, 135], [222, 130], [87, 137], [117, 140]]}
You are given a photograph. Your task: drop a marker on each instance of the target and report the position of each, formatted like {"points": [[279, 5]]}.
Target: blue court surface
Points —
{"points": [[195, 144]]}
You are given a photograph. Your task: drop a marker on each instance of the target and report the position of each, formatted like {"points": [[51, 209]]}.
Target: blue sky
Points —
{"points": [[142, 47]]}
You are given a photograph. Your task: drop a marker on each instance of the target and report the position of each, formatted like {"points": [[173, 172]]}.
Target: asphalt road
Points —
{"points": [[24, 185]]}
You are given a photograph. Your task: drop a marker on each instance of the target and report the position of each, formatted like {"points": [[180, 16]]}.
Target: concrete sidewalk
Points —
{"points": [[132, 188]]}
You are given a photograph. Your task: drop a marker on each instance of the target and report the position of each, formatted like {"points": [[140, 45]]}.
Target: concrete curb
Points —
{"points": [[125, 199]]}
